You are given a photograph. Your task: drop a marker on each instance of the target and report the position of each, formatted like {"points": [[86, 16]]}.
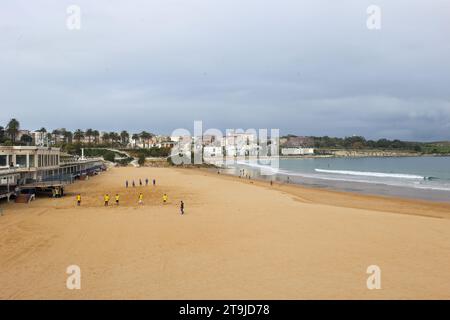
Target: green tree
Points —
{"points": [[78, 135], [109, 156], [26, 139], [12, 129], [145, 136], [141, 159], [125, 137], [68, 136], [135, 137], [89, 134], [55, 134], [96, 135], [114, 138], [106, 138], [49, 138], [2, 134]]}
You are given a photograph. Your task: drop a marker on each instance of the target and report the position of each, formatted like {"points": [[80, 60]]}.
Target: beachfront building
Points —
{"points": [[241, 144], [298, 151], [181, 139], [41, 168], [296, 142], [165, 144], [161, 141], [19, 157], [212, 151], [21, 165], [239, 139], [39, 138]]}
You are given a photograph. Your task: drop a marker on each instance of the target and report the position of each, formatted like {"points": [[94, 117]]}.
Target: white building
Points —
{"points": [[39, 138], [41, 167], [212, 151], [240, 139], [29, 157], [297, 151], [241, 144]]}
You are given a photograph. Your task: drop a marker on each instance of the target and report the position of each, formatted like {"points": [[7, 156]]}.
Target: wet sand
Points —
{"points": [[239, 239]]}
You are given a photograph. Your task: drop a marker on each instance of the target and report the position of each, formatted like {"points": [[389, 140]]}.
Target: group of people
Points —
{"points": [[133, 183], [107, 198]]}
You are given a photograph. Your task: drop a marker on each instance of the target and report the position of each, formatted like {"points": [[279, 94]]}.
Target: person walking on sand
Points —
{"points": [[182, 207], [106, 199], [126, 184], [146, 181], [165, 197], [141, 198], [117, 199], [78, 199]]}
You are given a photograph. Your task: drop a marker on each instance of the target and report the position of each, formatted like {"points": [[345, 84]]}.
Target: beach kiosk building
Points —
{"points": [[41, 168]]}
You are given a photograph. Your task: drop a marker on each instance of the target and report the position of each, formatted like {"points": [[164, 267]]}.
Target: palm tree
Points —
{"points": [[55, 134], [106, 137], [89, 134], [2, 134], [26, 139], [96, 135], [146, 137], [135, 137], [125, 137], [49, 139], [68, 136], [12, 129], [78, 135], [114, 137]]}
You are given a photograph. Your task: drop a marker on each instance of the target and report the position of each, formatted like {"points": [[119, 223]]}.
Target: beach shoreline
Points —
{"points": [[423, 178], [347, 199], [238, 239]]}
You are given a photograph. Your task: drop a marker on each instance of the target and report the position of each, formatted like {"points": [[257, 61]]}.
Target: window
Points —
{"points": [[3, 162], [31, 160], [21, 160]]}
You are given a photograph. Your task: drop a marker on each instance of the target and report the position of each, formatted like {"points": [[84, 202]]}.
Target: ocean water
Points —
{"points": [[414, 177]]}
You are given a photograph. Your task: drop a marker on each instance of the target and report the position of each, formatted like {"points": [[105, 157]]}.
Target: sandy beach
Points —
{"points": [[239, 239]]}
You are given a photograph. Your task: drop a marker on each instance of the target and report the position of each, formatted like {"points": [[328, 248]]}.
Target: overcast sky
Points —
{"points": [[305, 67]]}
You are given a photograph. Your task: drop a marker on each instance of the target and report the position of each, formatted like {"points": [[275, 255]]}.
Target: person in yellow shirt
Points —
{"points": [[117, 199], [78, 199], [141, 198], [106, 198], [165, 198]]}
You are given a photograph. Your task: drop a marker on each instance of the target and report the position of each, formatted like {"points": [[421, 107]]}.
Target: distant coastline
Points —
{"points": [[353, 153]]}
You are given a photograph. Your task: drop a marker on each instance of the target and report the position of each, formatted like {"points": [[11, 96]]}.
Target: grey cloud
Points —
{"points": [[304, 67]]}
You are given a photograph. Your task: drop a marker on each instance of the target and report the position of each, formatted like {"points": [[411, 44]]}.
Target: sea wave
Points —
{"points": [[373, 174], [390, 179]]}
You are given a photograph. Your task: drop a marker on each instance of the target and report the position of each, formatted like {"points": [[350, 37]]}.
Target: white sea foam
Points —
{"points": [[390, 179], [373, 174]]}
